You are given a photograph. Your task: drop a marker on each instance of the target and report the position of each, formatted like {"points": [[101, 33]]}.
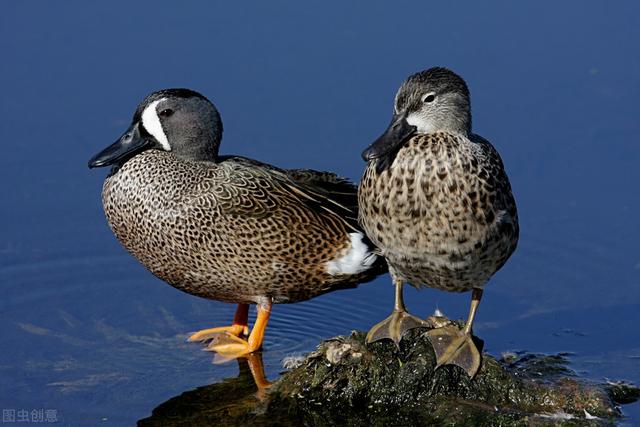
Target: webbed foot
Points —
{"points": [[238, 328], [229, 347], [394, 327], [211, 333], [455, 347]]}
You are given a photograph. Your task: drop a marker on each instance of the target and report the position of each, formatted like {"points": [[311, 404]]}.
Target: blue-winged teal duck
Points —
{"points": [[436, 200], [228, 228]]}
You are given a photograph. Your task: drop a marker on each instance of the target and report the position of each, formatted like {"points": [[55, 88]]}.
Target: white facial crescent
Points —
{"points": [[151, 122]]}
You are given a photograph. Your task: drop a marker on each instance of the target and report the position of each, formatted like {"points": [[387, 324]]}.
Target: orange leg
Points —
{"points": [[231, 346], [239, 326], [257, 370]]}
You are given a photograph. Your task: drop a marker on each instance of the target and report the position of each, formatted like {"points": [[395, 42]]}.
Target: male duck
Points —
{"points": [[224, 227]]}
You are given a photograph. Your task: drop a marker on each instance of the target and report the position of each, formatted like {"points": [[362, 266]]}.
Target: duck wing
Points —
{"points": [[255, 189]]}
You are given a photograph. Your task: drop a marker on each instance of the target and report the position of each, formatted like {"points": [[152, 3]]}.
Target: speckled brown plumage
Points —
{"points": [[442, 213], [436, 200], [235, 230], [226, 227]]}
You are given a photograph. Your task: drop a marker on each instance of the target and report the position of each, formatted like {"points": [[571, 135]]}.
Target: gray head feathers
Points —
{"points": [[435, 100]]}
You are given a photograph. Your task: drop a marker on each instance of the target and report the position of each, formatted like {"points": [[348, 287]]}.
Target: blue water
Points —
{"points": [[87, 332]]}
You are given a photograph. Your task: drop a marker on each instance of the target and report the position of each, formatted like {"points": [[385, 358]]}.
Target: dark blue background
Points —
{"points": [[87, 331]]}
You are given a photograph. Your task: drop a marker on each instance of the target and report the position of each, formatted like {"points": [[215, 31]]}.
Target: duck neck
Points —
{"points": [[193, 149]]}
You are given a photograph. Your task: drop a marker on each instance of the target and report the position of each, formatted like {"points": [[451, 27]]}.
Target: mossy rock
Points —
{"points": [[347, 383]]}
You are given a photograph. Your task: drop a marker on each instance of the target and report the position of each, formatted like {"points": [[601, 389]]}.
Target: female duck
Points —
{"points": [[436, 200]]}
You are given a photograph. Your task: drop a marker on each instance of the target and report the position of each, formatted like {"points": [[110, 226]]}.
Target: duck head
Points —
{"points": [[181, 121], [435, 100]]}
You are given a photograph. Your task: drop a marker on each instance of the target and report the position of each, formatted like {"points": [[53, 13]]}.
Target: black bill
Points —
{"points": [[129, 144], [397, 133]]}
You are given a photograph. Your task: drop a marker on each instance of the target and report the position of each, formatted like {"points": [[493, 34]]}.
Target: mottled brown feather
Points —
{"points": [[442, 213], [236, 230]]}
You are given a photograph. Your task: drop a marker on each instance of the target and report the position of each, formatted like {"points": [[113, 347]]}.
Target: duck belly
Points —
{"points": [[435, 225]]}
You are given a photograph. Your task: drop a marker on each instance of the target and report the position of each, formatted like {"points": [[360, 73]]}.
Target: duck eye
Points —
{"points": [[166, 112], [429, 97]]}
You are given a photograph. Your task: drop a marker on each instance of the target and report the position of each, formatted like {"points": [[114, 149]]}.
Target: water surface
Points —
{"points": [[89, 333]]}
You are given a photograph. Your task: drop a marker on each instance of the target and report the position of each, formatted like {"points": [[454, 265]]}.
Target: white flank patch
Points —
{"points": [[356, 259], [151, 122]]}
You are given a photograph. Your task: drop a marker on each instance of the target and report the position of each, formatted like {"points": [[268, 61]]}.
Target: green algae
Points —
{"points": [[347, 383]]}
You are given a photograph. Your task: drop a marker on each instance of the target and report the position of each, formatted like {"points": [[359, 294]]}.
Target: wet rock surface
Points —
{"points": [[345, 382]]}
